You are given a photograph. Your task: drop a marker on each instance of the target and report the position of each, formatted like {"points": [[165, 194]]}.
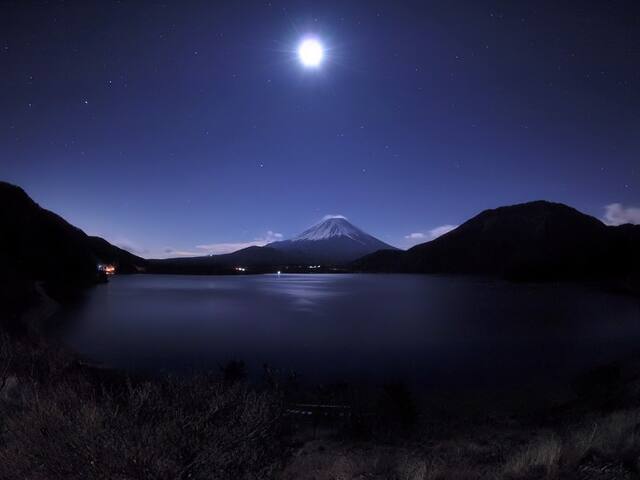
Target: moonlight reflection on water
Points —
{"points": [[422, 329]]}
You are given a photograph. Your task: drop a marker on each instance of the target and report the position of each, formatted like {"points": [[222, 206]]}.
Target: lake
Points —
{"points": [[428, 330]]}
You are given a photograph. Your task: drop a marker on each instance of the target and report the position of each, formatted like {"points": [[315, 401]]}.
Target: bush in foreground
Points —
{"points": [[73, 426]]}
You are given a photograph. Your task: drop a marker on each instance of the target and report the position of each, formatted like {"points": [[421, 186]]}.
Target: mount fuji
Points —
{"points": [[334, 240]]}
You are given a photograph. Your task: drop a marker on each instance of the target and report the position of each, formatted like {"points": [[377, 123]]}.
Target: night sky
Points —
{"points": [[176, 128]]}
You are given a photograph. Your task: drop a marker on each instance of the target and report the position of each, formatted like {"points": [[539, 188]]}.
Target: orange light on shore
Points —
{"points": [[107, 269]]}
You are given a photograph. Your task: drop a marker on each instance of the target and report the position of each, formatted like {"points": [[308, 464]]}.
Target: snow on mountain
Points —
{"points": [[334, 240], [333, 227]]}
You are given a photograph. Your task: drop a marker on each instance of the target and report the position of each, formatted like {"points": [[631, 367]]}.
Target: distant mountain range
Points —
{"points": [[330, 243], [531, 241]]}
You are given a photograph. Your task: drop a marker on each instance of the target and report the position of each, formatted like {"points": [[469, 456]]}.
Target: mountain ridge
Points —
{"points": [[537, 240], [40, 248], [332, 242], [533, 240]]}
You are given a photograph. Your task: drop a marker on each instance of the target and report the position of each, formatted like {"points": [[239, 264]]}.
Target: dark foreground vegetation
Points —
{"points": [[61, 420]]}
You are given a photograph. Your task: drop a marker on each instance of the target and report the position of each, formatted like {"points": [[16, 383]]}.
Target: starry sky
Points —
{"points": [[175, 128]]}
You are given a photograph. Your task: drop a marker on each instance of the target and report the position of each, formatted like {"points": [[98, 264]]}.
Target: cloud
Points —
{"points": [[327, 217], [127, 244], [221, 248], [181, 253], [617, 214], [132, 249], [441, 230], [416, 236], [420, 237]]}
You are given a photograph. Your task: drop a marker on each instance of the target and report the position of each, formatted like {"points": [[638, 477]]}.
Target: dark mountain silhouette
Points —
{"points": [[125, 262], [256, 259], [536, 240], [38, 245], [332, 242]]}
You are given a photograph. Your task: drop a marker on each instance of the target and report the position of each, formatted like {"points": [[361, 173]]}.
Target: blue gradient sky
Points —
{"points": [[163, 127]]}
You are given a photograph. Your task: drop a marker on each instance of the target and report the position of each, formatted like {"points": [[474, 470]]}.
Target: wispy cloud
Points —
{"points": [[441, 230], [617, 214], [420, 237], [170, 252], [132, 249], [221, 248], [127, 244], [416, 236], [327, 217]]}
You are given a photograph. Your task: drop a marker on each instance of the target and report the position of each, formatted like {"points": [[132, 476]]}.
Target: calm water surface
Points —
{"points": [[371, 328]]}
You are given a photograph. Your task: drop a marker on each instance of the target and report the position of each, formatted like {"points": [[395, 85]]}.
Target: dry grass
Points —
{"points": [[412, 468], [332, 459], [540, 458], [73, 426], [59, 420], [612, 442], [607, 445], [613, 438]]}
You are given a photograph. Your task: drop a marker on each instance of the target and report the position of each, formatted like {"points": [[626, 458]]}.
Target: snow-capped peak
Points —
{"points": [[332, 241], [333, 226]]}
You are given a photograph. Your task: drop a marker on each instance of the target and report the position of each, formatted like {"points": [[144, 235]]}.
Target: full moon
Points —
{"points": [[311, 52]]}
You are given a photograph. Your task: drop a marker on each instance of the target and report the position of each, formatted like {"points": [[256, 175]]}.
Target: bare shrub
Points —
{"points": [[165, 429], [317, 463], [540, 458], [413, 468], [6, 358], [615, 437], [612, 440]]}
